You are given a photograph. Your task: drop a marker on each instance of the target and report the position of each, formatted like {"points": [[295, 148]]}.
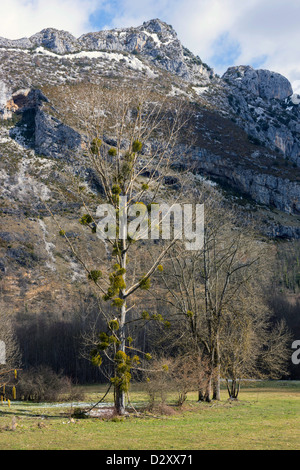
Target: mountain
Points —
{"points": [[154, 40], [246, 127]]}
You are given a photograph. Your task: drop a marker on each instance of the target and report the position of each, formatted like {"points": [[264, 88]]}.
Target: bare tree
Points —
{"points": [[210, 290], [174, 375], [252, 346], [10, 359], [131, 137]]}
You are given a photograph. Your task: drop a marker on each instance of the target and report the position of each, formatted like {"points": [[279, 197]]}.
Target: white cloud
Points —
{"points": [[23, 18], [272, 29], [296, 86]]}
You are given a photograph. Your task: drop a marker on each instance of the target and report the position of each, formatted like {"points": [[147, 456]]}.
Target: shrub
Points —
{"points": [[79, 413], [42, 384], [174, 375], [157, 383]]}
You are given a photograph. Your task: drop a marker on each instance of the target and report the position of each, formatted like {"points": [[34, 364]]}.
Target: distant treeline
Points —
{"points": [[58, 342], [288, 309]]}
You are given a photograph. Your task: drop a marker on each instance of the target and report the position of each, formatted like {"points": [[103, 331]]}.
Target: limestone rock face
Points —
{"points": [[266, 108], [257, 156], [265, 188], [157, 26], [53, 138], [60, 42], [243, 139], [5, 96], [263, 83], [23, 43], [155, 40], [273, 85], [20, 100]]}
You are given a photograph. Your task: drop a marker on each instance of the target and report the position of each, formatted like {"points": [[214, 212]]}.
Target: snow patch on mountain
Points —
{"points": [[131, 61], [295, 99]]}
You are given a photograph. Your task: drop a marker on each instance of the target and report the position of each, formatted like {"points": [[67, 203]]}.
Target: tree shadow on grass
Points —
{"points": [[25, 413]]}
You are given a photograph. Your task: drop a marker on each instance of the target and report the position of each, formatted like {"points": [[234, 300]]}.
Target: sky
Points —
{"points": [[261, 33]]}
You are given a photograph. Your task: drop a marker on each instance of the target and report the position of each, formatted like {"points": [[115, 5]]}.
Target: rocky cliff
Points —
{"points": [[260, 83], [154, 40], [246, 140], [265, 106], [259, 102]]}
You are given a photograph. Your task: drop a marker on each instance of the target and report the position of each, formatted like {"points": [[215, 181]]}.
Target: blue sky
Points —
{"points": [[261, 33], [104, 16]]}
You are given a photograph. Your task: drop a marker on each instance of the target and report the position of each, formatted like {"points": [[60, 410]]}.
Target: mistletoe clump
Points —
{"points": [[145, 283], [95, 276], [123, 368], [112, 152], [117, 248], [137, 146], [116, 189], [86, 219], [95, 146], [157, 317], [114, 325], [145, 315], [126, 169], [117, 283], [96, 359], [104, 341], [118, 302]]}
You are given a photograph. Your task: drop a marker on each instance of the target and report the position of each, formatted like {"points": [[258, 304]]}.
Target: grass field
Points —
{"points": [[267, 416]]}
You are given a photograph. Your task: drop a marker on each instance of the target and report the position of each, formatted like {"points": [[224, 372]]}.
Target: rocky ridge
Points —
{"points": [[265, 154], [246, 130], [154, 40], [259, 101], [265, 106]]}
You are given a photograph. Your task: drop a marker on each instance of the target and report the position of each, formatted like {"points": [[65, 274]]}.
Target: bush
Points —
{"points": [[42, 384], [178, 375], [79, 413], [158, 382]]}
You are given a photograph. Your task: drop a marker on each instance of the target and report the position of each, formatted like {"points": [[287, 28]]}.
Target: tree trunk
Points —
{"points": [[234, 389], [216, 386], [207, 392], [217, 372], [119, 401], [119, 393]]}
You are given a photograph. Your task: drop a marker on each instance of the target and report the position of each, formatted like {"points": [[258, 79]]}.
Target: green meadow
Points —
{"points": [[266, 417]]}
